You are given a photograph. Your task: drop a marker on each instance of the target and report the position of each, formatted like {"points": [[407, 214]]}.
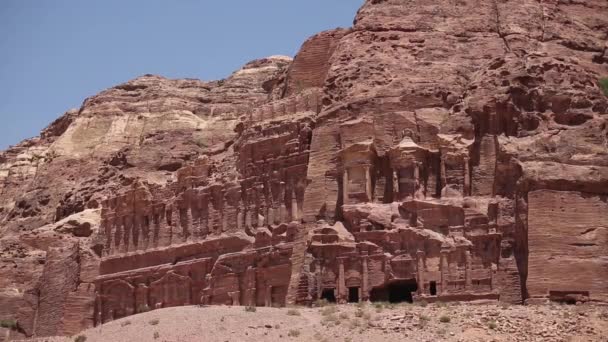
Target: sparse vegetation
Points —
{"points": [[8, 324], [603, 83], [156, 335], [423, 320], [422, 303], [319, 303], [154, 321], [125, 323], [250, 309], [143, 308], [80, 338], [329, 320], [293, 333], [201, 143], [445, 319], [329, 310], [492, 325], [343, 315], [293, 312], [355, 323]]}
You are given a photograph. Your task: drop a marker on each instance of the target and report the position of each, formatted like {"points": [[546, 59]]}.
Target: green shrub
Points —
{"points": [[8, 324], [250, 309], [80, 338], [294, 333], [444, 319], [293, 312], [143, 308], [154, 321], [329, 310], [603, 83], [320, 303]]}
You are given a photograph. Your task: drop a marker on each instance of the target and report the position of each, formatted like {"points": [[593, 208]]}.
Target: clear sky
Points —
{"points": [[54, 54]]}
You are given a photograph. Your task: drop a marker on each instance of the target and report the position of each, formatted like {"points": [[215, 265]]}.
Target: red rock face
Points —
{"points": [[434, 151]]}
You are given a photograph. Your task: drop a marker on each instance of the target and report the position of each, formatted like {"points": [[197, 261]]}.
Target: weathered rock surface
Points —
{"points": [[434, 151]]}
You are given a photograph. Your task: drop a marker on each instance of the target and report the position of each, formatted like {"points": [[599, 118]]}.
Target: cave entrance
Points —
{"points": [[329, 295], [433, 288], [395, 292], [353, 295]]}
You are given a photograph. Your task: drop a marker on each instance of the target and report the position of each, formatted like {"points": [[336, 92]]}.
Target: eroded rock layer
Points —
{"points": [[434, 151]]}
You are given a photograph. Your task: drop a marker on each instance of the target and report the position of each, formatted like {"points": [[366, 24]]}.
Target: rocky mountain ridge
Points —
{"points": [[435, 151]]}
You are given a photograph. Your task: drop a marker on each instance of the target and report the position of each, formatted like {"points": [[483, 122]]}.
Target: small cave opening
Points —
{"points": [[395, 292], [329, 295], [433, 288], [353, 295]]}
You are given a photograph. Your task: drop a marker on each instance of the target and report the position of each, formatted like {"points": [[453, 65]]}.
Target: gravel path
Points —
{"points": [[350, 323]]}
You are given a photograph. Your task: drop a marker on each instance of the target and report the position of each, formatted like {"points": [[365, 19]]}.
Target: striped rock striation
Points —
{"points": [[434, 151]]}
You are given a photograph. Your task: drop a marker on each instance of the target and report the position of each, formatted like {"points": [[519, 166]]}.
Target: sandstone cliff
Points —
{"points": [[436, 150]]}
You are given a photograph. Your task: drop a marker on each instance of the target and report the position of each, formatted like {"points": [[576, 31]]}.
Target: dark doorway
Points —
{"points": [[396, 292], [401, 291], [379, 294], [353, 295], [433, 288], [329, 295]]}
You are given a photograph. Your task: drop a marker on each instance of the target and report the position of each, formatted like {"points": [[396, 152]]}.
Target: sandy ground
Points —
{"points": [[358, 322]]}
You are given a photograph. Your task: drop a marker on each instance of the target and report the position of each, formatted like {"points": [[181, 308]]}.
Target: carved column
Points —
{"points": [[467, 271], [368, 184], [341, 282], [128, 235], [239, 217], [396, 191], [364, 279], [294, 205], [141, 298], [416, 179], [467, 177], [345, 186], [282, 206], [444, 176], [444, 271], [420, 272], [109, 232], [268, 299]]}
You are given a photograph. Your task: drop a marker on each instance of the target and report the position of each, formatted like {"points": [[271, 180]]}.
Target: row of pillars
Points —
{"points": [[444, 271], [342, 290]]}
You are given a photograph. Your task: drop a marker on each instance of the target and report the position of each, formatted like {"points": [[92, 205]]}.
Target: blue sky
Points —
{"points": [[54, 54]]}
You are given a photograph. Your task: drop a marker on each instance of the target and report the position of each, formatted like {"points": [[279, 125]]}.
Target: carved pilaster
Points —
{"points": [[345, 186]]}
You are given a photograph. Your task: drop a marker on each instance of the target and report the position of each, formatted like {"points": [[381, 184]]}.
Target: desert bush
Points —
{"points": [[8, 324], [445, 319], [329, 320], [125, 323], [603, 83], [154, 321], [319, 303], [329, 310], [343, 315], [492, 325], [80, 338], [156, 335], [250, 309], [143, 308], [293, 333], [293, 312]]}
